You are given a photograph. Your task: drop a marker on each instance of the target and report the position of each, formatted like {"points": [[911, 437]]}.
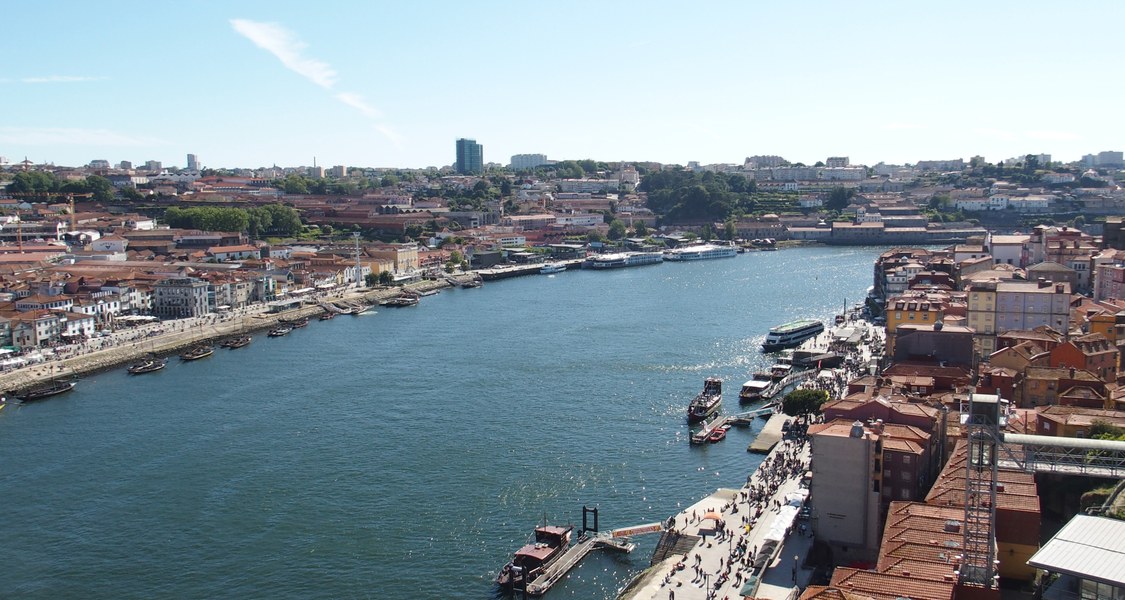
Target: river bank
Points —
{"points": [[177, 335]]}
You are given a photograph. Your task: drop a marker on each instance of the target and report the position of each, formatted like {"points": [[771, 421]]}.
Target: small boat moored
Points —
{"points": [[707, 402], [279, 331], [197, 353], [550, 268], [237, 342], [54, 389], [717, 435], [530, 561], [147, 366]]}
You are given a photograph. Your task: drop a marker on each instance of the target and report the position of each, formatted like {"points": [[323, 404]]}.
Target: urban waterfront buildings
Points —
{"points": [[470, 157]]}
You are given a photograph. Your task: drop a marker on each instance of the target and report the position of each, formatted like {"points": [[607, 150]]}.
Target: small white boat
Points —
{"points": [[555, 267]]}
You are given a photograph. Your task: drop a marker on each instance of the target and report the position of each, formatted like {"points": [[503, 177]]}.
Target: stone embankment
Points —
{"points": [[177, 336]]}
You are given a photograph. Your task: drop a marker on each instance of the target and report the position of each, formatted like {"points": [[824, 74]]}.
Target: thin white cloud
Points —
{"points": [[288, 48], [1053, 136], [395, 137], [65, 136], [357, 102], [61, 79]]}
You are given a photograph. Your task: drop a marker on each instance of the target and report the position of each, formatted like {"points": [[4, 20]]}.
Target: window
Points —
{"points": [[904, 493], [905, 475], [907, 459]]}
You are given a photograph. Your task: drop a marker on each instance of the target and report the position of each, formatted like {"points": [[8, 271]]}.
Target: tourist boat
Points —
{"points": [[791, 334], [717, 435], [47, 391], [326, 315], [618, 260], [555, 267], [530, 561], [707, 402], [147, 366], [752, 390], [302, 322], [401, 301], [197, 353], [237, 342], [279, 331], [701, 252]]}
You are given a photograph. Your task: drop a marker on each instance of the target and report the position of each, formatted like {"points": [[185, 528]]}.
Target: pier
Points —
{"points": [[574, 555], [770, 435], [588, 540]]}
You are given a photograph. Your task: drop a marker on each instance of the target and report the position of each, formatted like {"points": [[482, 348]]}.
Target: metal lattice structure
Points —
{"points": [[1069, 456], [989, 449], [978, 557]]}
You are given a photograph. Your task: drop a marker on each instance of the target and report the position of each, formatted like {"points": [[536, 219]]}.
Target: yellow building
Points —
{"points": [[982, 317], [912, 309]]}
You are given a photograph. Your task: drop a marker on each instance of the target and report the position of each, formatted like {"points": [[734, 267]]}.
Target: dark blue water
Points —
{"points": [[405, 453]]}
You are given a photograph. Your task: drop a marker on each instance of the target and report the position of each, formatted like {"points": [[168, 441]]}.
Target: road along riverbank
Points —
{"points": [[173, 336]]}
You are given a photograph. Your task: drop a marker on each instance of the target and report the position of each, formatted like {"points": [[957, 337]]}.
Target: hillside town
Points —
{"points": [[1003, 280]]}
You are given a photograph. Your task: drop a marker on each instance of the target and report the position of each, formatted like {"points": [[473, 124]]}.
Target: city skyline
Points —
{"points": [[253, 84]]}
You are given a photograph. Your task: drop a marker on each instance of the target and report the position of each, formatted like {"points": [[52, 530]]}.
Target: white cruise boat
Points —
{"points": [[700, 252], [791, 334], [618, 260], [555, 267]]}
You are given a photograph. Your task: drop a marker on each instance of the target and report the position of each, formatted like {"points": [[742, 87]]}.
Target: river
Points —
{"points": [[404, 453]]}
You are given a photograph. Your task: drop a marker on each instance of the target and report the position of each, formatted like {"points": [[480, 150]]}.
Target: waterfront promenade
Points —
{"points": [[172, 336], [733, 527]]}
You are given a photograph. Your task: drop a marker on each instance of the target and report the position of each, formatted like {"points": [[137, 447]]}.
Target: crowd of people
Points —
{"points": [[755, 500]]}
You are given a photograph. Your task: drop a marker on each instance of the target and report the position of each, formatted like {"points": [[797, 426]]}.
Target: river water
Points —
{"points": [[405, 453]]}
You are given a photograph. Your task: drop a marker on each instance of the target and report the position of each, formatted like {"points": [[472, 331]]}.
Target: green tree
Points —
{"points": [[707, 234], [34, 182], [838, 198], [640, 229], [616, 229], [730, 231], [294, 184], [101, 188], [283, 220], [131, 194], [595, 236], [388, 181], [505, 188], [803, 402], [371, 279], [386, 278], [1101, 429], [455, 258]]}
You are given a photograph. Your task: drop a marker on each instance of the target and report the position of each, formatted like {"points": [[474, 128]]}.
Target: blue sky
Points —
{"points": [[394, 84]]}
